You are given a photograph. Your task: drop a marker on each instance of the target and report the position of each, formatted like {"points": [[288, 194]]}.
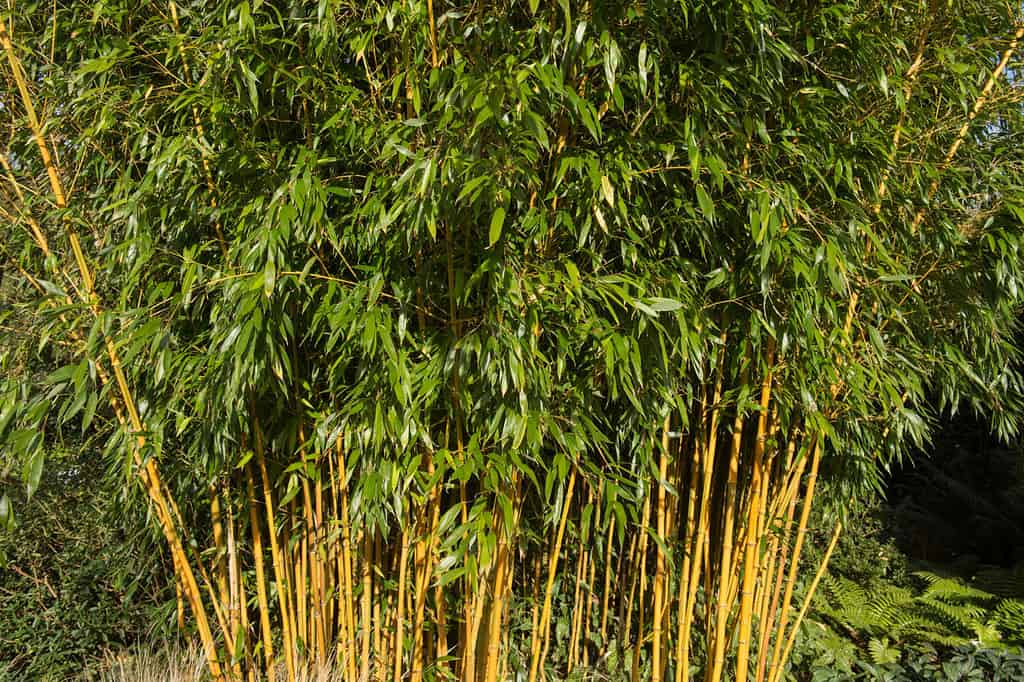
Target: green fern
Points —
{"points": [[947, 612], [882, 653], [1009, 620]]}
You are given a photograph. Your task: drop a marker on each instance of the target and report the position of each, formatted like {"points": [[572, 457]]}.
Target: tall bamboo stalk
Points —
{"points": [[725, 582], [606, 591], [276, 554], [700, 548], [261, 580], [822, 567], [659, 569], [685, 610], [574, 633], [346, 576], [237, 617], [641, 622], [750, 559], [403, 561], [540, 648], [794, 562], [365, 606]]}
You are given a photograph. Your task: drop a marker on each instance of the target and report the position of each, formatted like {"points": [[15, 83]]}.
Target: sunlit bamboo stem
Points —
{"points": [[822, 567], [700, 549], [641, 622], [607, 569], [659, 568], [276, 554], [725, 578], [750, 559], [685, 611], [261, 580], [403, 560], [794, 562], [539, 653], [365, 605], [574, 633], [768, 616]]}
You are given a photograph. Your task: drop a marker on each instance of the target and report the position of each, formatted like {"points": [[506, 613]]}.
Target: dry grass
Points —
{"points": [[163, 665], [188, 665]]}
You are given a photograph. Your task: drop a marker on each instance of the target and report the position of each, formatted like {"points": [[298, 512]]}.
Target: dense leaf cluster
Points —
{"points": [[566, 211]]}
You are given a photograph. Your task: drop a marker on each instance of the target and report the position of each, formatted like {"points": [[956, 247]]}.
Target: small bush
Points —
{"points": [[77, 581]]}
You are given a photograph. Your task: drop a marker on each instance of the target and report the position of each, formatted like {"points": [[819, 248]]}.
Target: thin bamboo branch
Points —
{"points": [[777, 669], [979, 104]]}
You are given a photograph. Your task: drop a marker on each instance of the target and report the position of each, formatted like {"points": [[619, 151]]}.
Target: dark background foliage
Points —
{"points": [[82, 578], [962, 500]]}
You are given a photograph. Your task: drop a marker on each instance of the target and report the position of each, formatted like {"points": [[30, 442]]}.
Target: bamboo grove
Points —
{"points": [[483, 340]]}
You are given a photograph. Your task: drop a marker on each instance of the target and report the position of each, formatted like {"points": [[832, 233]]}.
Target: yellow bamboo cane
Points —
{"points": [[659, 567], [794, 561], [261, 580], [276, 554], [537, 656], [750, 558], [725, 582], [777, 668]]}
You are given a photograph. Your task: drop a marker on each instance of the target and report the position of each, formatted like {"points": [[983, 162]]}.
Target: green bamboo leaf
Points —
{"points": [[707, 207], [6, 512], [642, 65], [536, 125], [644, 308], [251, 82], [612, 57], [662, 305], [269, 277], [7, 414], [607, 191], [497, 223], [33, 470], [573, 272]]}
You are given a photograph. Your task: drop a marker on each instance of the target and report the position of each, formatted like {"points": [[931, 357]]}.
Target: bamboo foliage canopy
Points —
{"points": [[405, 310]]}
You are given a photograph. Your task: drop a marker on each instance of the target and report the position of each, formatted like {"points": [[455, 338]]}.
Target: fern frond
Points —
{"points": [[1009, 619], [951, 589], [882, 653], [960, 617]]}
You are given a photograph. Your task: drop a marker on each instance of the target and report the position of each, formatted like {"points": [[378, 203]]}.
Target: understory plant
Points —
{"points": [[80, 578], [943, 611], [966, 663]]}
